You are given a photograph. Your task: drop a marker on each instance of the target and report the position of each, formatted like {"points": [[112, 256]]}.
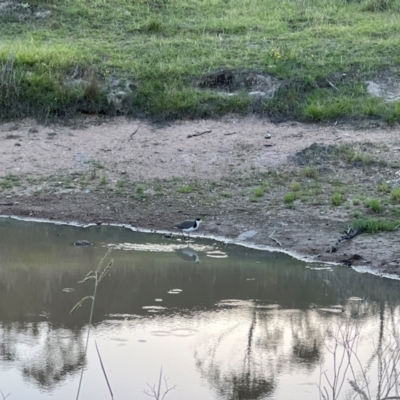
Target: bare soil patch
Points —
{"points": [[132, 172]]}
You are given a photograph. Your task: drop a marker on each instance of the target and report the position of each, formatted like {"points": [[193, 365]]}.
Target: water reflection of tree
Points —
{"points": [[376, 378], [44, 356], [245, 380], [307, 340], [259, 349]]}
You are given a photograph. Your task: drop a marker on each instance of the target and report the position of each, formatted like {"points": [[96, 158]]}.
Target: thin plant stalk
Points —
{"points": [[88, 334], [104, 371], [92, 275]]}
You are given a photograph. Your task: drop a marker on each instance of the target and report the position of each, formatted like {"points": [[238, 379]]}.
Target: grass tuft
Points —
{"points": [[374, 204], [295, 186], [310, 172], [395, 193], [185, 189], [383, 187], [371, 225], [337, 199]]}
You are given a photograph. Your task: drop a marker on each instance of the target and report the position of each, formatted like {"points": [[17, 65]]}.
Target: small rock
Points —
{"points": [[82, 243], [358, 164], [267, 136]]}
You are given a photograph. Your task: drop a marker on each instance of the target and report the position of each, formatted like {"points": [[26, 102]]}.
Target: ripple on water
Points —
{"points": [[234, 303], [217, 254], [160, 333], [183, 331], [154, 309], [174, 291], [179, 332], [116, 339]]}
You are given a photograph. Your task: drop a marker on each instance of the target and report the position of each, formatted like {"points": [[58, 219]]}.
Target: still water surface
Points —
{"points": [[223, 321]]}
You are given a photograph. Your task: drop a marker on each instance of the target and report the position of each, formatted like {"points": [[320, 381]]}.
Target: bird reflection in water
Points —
{"points": [[187, 254]]}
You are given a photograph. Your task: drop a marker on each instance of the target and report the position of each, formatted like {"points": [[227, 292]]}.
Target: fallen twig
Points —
{"points": [[131, 137], [230, 133], [198, 134], [330, 83], [60, 145], [275, 240]]}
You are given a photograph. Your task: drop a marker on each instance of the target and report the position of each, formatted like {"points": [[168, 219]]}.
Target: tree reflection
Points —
{"points": [[44, 356], [244, 360]]}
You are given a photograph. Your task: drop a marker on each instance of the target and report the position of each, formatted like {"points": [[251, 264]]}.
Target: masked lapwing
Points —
{"points": [[188, 226]]}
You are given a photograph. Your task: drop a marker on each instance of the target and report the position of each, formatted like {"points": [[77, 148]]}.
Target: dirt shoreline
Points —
{"points": [[132, 172]]}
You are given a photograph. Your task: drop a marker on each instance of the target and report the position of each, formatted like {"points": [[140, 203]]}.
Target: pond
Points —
{"points": [[215, 320]]}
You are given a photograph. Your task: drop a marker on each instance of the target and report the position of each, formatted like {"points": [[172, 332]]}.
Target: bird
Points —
{"points": [[188, 226]]}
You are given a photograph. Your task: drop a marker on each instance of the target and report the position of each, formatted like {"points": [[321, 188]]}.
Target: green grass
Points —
{"points": [[337, 199], [295, 186], [290, 197], [185, 189], [165, 55], [9, 181], [374, 204], [371, 225], [259, 192], [310, 172], [395, 193], [383, 187], [337, 183]]}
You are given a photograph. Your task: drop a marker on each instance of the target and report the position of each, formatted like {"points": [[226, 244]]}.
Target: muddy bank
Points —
{"points": [[238, 174]]}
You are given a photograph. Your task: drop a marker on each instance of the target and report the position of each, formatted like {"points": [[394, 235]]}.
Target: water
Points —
{"points": [[222, 321]]}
